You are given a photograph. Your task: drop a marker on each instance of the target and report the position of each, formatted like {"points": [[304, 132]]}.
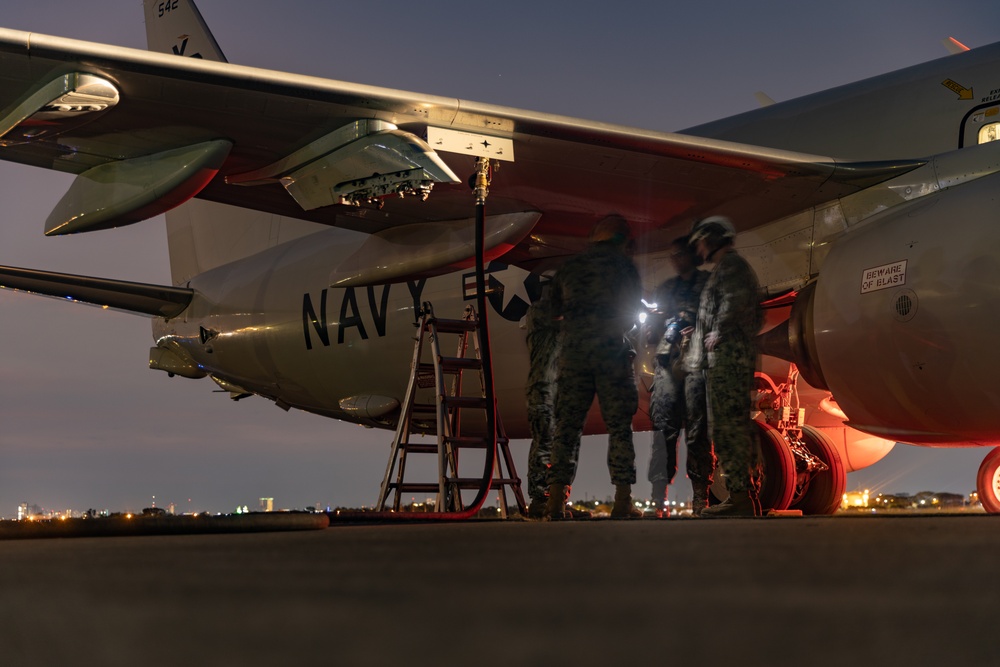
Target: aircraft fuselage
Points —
{"points": [[270, 324]]}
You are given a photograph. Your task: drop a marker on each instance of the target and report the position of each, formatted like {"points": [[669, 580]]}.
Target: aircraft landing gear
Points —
{"points": [[778, 479], [988, 482], [778, 485], [793, 450]]}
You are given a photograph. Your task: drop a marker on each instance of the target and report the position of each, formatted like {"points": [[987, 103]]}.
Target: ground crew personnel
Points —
{"points": [[678, 397], [542, 339], [723, 348], [598, 295]]}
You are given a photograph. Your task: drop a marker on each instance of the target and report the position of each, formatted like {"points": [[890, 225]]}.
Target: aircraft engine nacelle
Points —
{"points": [[903, 324], [857, 450]]}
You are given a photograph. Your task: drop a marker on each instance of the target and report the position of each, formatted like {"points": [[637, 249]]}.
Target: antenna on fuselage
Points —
{"points": [[954, 46]]}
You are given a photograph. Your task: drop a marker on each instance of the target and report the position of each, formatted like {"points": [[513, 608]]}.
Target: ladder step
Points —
{"points": [[467, 441], [470, 441], [448, 365], [453, 326], [465, 402], [452, 401], [454, 364], [415, 487], [460, 482], [414, 448], [475, 441], [425, 376]]}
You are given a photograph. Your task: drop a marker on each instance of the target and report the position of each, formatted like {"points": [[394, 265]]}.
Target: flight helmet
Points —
{"points": [[717, 229]]}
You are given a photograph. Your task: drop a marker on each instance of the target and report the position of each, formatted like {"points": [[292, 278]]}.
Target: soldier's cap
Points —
{"points": [[716, 225], [613, 228]]}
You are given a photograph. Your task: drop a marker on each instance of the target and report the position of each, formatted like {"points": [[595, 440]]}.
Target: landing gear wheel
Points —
{"points": [[988, 482], [822, 492], [778, 487]]}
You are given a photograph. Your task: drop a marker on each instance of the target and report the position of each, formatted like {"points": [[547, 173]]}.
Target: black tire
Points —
{"points": [[822, 493], [778, 486]]}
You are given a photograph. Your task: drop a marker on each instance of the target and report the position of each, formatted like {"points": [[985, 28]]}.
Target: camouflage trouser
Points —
{"points": [[586, 369], [730, 378], [666, 410], [662, 465], [540, 421], [543, 348], [671, 410]]}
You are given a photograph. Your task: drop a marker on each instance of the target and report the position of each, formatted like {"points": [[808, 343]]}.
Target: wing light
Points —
{"points": [[60, 105]]}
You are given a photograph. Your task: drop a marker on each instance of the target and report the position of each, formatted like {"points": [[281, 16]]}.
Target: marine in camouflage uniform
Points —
{"points": [[678, 400], [723, 348], [542, 339], [597, 294]]}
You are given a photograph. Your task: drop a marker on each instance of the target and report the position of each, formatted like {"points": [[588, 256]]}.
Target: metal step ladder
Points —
{"points": [[441, 414]]}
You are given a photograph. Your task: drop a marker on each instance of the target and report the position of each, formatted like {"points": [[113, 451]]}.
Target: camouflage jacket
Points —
{"points": [[598, 294], [677, 295], [730, 306]]}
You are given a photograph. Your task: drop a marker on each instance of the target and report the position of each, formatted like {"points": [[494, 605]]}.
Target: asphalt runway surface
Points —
{"points": [[909, 590]]}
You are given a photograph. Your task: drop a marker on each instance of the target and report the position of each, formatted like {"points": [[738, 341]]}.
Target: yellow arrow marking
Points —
{"points": [[963, 92]]}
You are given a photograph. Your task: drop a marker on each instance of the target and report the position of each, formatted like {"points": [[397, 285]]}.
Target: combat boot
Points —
{"points": [[555, 508], [623, 507], [536, 508], [738, 504], [659, 499], [699, 497]]}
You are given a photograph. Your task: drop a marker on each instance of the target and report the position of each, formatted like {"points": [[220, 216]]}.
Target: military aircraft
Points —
{"points": [[881, 306]]}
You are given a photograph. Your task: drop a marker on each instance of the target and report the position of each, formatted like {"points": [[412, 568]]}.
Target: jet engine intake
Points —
{"points": [[793, 339]]}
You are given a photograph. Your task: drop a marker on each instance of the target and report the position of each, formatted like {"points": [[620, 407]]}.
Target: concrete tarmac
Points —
{"points": [[842, 590]]}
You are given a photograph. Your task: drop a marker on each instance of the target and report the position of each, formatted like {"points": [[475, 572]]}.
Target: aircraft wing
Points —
{"points": [[146, 131]]}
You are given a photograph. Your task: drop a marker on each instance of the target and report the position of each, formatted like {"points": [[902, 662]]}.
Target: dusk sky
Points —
{"points": [[83, 421]]}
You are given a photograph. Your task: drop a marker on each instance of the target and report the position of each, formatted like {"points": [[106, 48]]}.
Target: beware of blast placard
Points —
{"points": [[882, 277]]}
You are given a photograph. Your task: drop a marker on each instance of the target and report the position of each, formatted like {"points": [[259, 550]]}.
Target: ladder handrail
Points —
{"points": [[403, 427]]}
